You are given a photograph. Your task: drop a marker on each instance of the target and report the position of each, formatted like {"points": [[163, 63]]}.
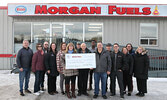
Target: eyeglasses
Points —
{"points": [[46, 44], [39, 46]]}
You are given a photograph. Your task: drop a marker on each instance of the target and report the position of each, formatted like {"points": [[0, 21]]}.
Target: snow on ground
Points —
{"points": [[9, 90]]}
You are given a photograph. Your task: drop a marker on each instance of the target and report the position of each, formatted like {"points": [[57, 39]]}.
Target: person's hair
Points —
{"points": [[141, 48], [93, 41], [62, 44], [37, 45], [116, 44], [25, 40], [124, 48], [83, 43], [131, 47], [51, 47], [70, 44]]}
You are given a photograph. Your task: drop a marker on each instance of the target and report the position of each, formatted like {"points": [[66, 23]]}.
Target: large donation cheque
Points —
{"points": [[80, 61]]}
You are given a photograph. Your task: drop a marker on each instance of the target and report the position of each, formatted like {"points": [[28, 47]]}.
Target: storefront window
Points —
{"points": [[74, 32], [21, 31], [93, 31], [41, 33], [57, 34], [149, 34]]}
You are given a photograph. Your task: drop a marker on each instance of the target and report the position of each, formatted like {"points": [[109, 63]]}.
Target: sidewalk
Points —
{"points": [[9, 90]]}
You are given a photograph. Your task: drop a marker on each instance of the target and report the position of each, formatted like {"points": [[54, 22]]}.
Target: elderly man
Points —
{"points": [[103, 67], [24, 60], [83, 74]]}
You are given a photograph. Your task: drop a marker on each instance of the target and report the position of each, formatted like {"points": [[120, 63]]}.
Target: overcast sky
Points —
{"points": [[5, 2]]}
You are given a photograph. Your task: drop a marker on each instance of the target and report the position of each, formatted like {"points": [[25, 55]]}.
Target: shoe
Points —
{"points": [[129, 94], [27, 91], [51, 93], [137, 94], [56, 92], [41, 91], [63, 93], [122, 96], [141, 95], [86, 94], [104, 97], [112, 94], [124, 92], [36, 93], [22, 94], [95, 96], [73, 90], [67, 91], [79, 94]]}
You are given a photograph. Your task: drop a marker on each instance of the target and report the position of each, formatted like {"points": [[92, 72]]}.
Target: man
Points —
{"points": [[24, 61], [78, 46], [103, 67], [92, 49], [108, 48], [118, 66], [45, 50], [83, 74]]}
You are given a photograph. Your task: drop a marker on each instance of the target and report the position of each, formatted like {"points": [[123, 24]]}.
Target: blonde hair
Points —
{"points": [[143, 49], [70, 44]]}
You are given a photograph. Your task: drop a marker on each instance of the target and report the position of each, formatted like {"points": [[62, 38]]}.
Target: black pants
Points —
{"points": [[38, 79], [127, 81], [70, 78], [142, 85], [110, 83], [43, 79], [90, 77], [51, 83], [119, 76], [82, 80]]}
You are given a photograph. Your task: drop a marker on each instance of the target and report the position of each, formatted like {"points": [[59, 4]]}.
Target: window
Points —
{"points": [[74, 32], [149, 34], [93, 31], [21, 31]]}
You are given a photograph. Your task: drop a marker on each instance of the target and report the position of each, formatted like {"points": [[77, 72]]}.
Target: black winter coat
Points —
{"points": [[141, 65], [121, 62], [50, 64], [130, 63]]}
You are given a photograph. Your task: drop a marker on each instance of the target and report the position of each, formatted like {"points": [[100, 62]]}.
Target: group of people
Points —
{"points": [[109, 64]]}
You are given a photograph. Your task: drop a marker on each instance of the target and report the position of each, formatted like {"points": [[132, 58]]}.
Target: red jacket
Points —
{"points": [[38, 62]]}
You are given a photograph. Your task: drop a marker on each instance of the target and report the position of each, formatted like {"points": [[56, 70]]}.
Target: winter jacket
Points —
{"points": [[69, 72], [60, 61], [130, 62], [50, 64], [38, 62], [24, 58], [121, 62], [103, 61], [141, 65]]}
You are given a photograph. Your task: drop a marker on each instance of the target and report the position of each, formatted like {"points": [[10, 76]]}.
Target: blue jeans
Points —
{"points": [[97, 77], [38, 80], [24, 74]]}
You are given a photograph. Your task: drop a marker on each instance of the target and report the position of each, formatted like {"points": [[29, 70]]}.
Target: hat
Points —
{"points": [[79, 43], [108, 44]]}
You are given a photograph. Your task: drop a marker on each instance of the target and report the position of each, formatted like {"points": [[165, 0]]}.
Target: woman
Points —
{"points": [[61, 65], [130, 49], [38, 68], [127, 74], [51, 67], [70, 74], [141, 65]]}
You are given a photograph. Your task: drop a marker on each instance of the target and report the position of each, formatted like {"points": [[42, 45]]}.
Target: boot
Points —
{"points": [[73, 90], [67, 86]]}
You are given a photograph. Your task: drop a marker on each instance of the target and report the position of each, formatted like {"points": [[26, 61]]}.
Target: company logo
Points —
{"points": [[20, 9], [156, 12]]}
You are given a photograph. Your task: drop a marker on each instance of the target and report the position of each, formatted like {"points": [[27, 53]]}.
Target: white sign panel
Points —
{"points": [[80, 61], [87, 10]]}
